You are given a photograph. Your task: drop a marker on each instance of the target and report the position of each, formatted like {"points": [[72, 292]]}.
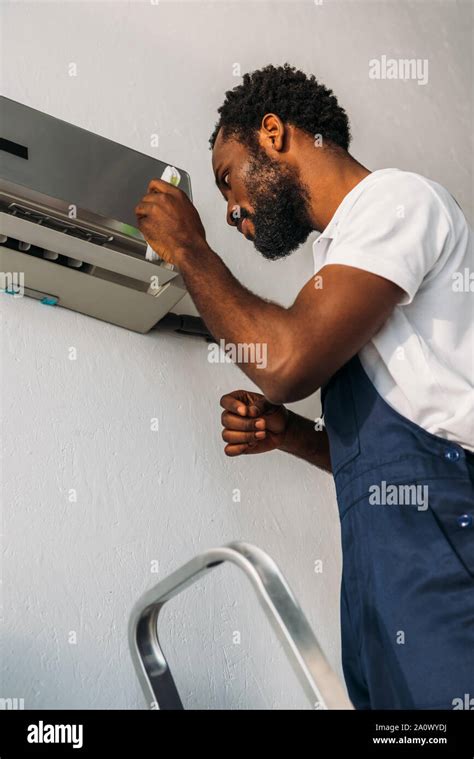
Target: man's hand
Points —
{"points": [[251, 424], [169, 222]]}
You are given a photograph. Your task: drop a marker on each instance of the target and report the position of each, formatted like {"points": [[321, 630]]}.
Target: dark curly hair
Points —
{"points": [[296, 98]]}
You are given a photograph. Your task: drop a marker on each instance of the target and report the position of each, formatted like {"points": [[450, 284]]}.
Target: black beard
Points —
{"points": [[280, 201]]}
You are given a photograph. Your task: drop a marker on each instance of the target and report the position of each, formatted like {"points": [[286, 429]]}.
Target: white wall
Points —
{"points": [[165, 496]]}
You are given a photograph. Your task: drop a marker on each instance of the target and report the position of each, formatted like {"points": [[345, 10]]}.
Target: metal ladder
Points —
{"points": [[320, 683]]}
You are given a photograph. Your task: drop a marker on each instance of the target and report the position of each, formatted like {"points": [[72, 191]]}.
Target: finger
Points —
{"points": [[153, 197], [159, 185], [254, 410], [143, 208], [232, 402], [236, 437], [245, 449], [235, 450], [238, 422]]}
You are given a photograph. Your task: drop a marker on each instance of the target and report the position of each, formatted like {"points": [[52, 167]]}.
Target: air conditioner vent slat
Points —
{"points": [[17, 227], [49, 255], [61, 225]]}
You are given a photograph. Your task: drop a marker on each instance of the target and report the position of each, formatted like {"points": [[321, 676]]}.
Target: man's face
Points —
{"points": [[266, 200]]}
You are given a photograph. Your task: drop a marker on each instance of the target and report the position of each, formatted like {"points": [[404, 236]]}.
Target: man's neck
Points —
{"points": [[329, 176]]}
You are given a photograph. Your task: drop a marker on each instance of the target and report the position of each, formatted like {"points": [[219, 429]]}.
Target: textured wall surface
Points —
{"points": [[146, 499]]}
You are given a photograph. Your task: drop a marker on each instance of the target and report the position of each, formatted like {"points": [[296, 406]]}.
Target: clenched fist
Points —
{"points": [[168, 221], [251, 423]]}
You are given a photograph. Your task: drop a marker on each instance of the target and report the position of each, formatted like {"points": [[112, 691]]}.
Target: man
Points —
{"points": [[385, 330]]}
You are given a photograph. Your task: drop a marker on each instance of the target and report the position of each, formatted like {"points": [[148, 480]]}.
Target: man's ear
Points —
{"points": [[272, 133]]}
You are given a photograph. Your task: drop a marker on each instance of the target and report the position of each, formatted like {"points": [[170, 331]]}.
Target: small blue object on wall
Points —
{"points": [[49, 301]]}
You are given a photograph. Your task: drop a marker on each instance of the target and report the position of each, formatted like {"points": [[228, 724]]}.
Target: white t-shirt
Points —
{"points": [[411, 231]]}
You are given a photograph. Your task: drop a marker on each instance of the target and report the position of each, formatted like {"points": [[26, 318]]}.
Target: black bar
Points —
{"points": [[433, 734], [14, 148]]}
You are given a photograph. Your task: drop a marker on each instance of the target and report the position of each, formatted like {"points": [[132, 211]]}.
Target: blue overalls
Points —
{"points": [[407, 591]]}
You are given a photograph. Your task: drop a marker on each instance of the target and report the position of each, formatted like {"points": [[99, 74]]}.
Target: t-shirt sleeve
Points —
{"points": [[397, 228]]}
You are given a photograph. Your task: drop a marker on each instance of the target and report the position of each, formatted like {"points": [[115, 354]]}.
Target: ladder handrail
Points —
{"points": [[320, 683]]}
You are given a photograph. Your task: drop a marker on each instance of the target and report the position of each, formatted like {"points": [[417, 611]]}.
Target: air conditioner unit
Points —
{"points": [[67, 199]]}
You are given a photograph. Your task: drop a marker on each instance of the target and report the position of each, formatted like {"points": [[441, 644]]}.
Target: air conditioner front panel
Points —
{"points": [[75, 165], [96, 297]]}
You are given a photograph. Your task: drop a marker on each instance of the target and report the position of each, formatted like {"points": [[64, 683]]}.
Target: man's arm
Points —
{"points": [[332, 318], [302, 440]]}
